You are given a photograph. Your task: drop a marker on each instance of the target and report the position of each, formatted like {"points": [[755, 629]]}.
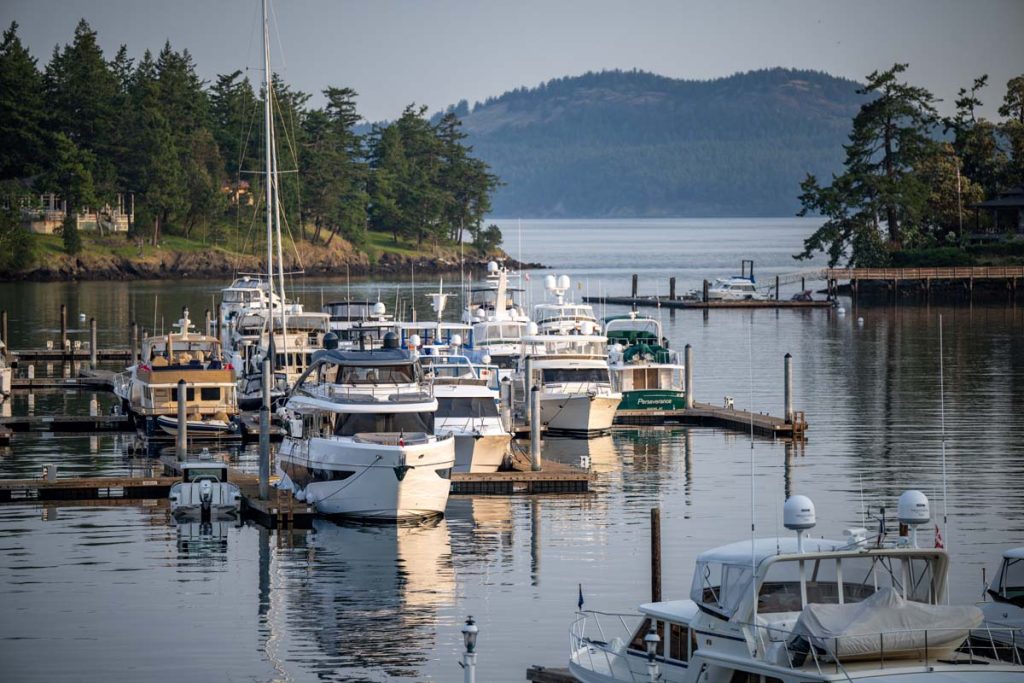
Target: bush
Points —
{"points": [[72, 240], [932, 258], [17, 246]]}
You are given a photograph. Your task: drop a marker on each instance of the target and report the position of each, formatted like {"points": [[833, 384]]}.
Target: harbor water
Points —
{"points": [[119, 592]]}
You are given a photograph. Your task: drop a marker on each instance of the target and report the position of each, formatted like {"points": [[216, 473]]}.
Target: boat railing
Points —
{"points": [[591, 647], [396, 438], [370, 393], [796, 650]]}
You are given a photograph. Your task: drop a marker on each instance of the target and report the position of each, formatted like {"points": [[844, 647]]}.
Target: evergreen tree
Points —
{"points": [[1013, 109], [234, 113], [69, 175], [389, 168], [421, 200], [21, 109], [975, 141]]}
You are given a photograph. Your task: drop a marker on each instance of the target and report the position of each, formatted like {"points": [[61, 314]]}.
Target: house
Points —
{"points": [[1007, 211], [47, 216]]}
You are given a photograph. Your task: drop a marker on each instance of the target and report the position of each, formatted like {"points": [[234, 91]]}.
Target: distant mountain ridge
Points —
{"points": [[635, 144]]}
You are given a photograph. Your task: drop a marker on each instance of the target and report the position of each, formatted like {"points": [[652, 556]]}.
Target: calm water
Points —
{"points": [[120, 592]]}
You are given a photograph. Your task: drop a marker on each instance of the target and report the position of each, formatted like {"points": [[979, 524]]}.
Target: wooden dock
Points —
{"points": [[662, 302], [94, 380], [84, 488], [76, 424], [920, 281], [707, 415], [551, 480], [549, 674], [67, 355]]}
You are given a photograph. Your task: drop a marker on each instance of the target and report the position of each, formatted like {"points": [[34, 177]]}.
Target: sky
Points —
{"points": [[437, 52]]}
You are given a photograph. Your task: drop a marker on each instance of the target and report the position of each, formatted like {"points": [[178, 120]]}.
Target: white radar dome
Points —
{"points": [[415, 340], [798, 513], [456, 340], [492, 266], [549, 282], [531, 328], [486, 359], [587, 327], [379, 308], [913, 508], [564, 282]]}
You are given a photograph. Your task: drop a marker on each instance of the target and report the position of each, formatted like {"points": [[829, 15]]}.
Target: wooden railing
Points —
{"points": [[951, 273]]}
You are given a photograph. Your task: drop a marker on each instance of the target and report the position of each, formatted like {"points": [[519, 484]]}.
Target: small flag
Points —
{"points": [[527, 276], [938, 538], [579, 603]]}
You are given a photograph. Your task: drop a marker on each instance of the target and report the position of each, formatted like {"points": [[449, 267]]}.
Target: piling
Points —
{"points": [[265, 434], [535, 423], [688, 370], [527, 386], [209, 328], [776, 287], [63, 327], [3, 334], [788, 380], [32, 371], [218, 326], [135, 343], [634, 285], [182, 419], [92, 343], [94, 406], [672, 288], [505, 389], [655, 554], [705, 291]]}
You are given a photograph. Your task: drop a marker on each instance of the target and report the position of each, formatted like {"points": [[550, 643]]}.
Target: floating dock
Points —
{"points": [[660, 302], [707, 415], [76, 424], [84, 488]]}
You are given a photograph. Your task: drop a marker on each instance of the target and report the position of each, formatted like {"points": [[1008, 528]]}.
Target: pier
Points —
{"points": [[921, 281], [661, 302], [707, 415]]}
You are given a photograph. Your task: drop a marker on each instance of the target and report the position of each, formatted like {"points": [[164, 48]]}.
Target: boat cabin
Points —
{"points": [[1008, 585], [204, 470]]}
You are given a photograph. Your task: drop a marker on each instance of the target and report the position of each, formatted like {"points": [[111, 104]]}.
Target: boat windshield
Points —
{"points": [[560, 375], [193, 474], [511, 332], [375, 374], [1011, 578], [480, 406], [350, 424]]}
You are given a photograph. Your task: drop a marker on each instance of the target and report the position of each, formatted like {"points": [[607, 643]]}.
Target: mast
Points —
{"points": [[268, 185], [280, 256]]}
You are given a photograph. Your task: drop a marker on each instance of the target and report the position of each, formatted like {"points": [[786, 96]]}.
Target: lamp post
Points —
{"points": [[469, 632], [651, 640]]}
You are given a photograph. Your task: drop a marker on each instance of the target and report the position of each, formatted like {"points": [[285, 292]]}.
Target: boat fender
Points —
{"points": [[300, 495]]}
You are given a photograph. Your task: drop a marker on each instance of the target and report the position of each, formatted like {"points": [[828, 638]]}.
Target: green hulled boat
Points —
{"points": [[643, 368]]}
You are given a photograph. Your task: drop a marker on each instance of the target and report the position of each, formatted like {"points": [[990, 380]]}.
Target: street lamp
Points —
{"points": [[469, 633], [651, 640]]}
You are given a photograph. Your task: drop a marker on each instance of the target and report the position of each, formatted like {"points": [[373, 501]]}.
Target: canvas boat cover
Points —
{"points": [[907, 628]]}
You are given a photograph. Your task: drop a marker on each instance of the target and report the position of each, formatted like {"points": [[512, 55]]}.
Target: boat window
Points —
{"points": [[645, 378], [201, 473], [558, 375], [375, 374], [160, 395], [677, 642], [384, 423], [638, 643], [209, 394], [467, 407], [721, 587], [190, 394], [864, 576], [1011, 581]]}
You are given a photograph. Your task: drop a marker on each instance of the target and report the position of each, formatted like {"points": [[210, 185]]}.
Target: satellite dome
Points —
{"points": [[564, 282], [913, 509], [798, 513], [415, 340], [456, 340], [379, 308], [492, 266], [390, 340], [330, 340], [549, 282], [531, 328]]}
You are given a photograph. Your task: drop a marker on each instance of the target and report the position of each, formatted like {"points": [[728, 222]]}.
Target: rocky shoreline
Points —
{"points": [[171, 265]]}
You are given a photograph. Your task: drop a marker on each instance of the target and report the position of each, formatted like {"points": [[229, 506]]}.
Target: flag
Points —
{"points": [[527, 276], [579, 603], [938, 538]]}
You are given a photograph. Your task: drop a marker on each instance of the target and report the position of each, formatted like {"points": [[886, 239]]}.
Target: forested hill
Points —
{"points": [[636, 144]]}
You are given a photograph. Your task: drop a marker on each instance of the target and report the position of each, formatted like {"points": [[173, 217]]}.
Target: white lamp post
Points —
{"points": [[651, 640], [469, 632]]}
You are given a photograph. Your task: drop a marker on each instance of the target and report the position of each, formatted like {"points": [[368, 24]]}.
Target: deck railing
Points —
{"points": [[949, 273]]}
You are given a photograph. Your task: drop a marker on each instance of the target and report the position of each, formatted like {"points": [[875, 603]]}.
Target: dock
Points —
{"points": [[549, 674], [84, 488], [521, 482], [74, 424], [921, 281], [96, 380], [707, 415], [696, 304], [67, 355]]}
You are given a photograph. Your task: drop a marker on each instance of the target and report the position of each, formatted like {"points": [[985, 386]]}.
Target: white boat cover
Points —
{"points": [[886, 625]]}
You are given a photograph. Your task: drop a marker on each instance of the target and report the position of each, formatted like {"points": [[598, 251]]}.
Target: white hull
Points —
{"points": [[197, 429], [579, 413], [350, 477], [5, 382], [186, 504], [480, 453]]}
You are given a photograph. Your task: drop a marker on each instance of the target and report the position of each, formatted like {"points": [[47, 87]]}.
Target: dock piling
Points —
{"points": [[93, 353], [135, 344], [535, 424], [672, 288], [505, 389], [705, 299], [655, 554], [265, 433], [3, 334], [527, 386], [31, 371], [209, 327], [94, 406], [634, 284], [776, 287], [182, 419], [688, 377], [63, 328], [788, 381]]}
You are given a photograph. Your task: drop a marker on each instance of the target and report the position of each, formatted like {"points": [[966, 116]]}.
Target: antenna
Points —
{"points": [[753, 554], [942, 419]]}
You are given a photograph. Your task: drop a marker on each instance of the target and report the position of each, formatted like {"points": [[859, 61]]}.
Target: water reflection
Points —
{"points": [[361, 602]]}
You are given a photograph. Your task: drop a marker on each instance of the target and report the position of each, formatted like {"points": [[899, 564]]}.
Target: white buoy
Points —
{"points": [[841, 311], [860, 320]]}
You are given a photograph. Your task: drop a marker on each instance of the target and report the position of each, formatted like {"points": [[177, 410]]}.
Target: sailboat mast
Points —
{"points": [[268, 168], [280, 255]]}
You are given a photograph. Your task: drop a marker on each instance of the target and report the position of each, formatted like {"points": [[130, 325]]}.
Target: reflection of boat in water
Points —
{"points": [[371, 605], [204, 539], [597, 453]]}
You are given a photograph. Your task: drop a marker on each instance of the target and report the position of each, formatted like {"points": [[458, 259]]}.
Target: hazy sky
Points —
{"points": [[438, 52]]}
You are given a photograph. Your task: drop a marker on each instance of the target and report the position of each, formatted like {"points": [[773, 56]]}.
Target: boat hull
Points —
{"points": [[164, 425], [579, 414], [345, 477], [653, 400], [480, 452]]}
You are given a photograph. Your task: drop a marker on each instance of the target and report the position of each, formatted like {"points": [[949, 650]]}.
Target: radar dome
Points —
{"points": [[390, 341], [549, 282], [486, 359], [913, 508], [492, 266], [330, 341], [531, 328], [379, 308], [798, 513], [587, 327], [415, 340], [564, 282], [456, 340]]}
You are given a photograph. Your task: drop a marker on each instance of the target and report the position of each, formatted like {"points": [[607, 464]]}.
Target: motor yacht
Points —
{"points": [[204, 492], [1004, 607], [799, 609], [361, 439], [149, 389], [735, 288], [644, 370], [498, 330], [562, 316], [359, 324]]}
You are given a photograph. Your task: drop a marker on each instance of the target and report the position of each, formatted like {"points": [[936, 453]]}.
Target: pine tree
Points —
{"points": [[21, 109], [1013, 109]]}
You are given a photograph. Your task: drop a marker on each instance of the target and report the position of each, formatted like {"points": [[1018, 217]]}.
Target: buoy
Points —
{"points": [[841, 311], [860, 321]]}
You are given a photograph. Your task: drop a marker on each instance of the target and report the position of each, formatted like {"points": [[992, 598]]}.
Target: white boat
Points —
{"points": [[204, 492], [359, 324], [246, 294], [571, 371], [468, 409], [1004, 606], [361, 439], [149, 389], [6, 373], [736, 288], [498, 330], [793, 610], [561, 316]]}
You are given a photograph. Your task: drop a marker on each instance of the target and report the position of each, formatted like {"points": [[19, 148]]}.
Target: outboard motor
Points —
{"points": [[390, 340], [205, 499]]}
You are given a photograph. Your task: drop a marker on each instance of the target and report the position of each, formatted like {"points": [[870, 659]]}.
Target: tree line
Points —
{"points": [[88, 128], [909, 175]]}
